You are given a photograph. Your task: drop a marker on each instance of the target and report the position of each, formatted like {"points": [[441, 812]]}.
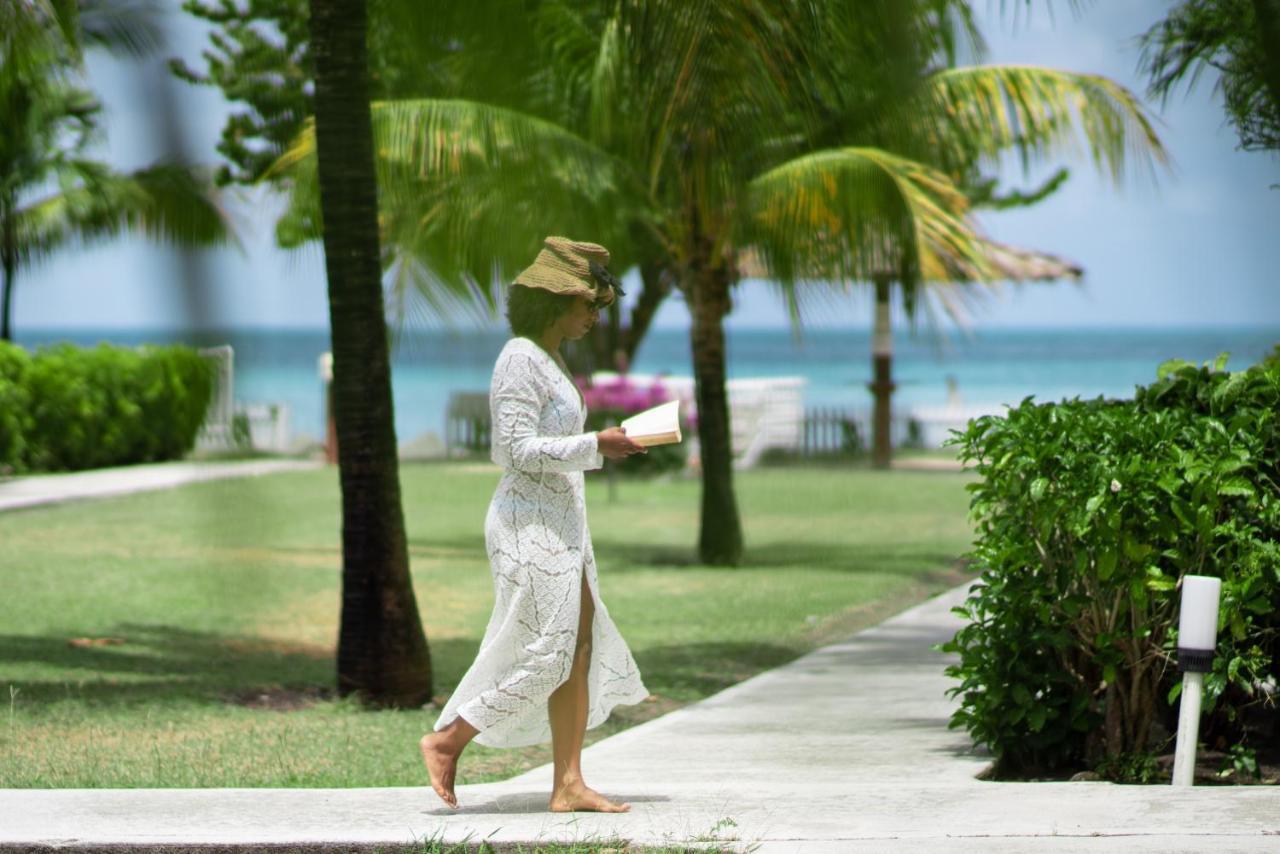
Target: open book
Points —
{"points": [[657, 426]]}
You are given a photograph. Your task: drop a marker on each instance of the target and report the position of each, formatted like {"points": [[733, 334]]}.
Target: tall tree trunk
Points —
{"points": [[720, 540], [657, 286], [382, 650], [611, 338], [9, 262], [882, 377]]}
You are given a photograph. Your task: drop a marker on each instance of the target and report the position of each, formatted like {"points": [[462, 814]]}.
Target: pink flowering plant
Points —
{"points": [[613, 400]]}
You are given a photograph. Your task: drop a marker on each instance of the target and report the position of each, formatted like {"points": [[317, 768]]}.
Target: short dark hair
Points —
{"points": [[531, 310]]}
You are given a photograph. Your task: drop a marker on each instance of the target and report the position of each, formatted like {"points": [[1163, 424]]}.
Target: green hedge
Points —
{"points": [[67, 408], [1088, 513], [15, 405]]}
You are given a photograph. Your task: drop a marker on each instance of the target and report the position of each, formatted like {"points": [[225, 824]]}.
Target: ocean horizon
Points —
{"points": [[983, 368]]}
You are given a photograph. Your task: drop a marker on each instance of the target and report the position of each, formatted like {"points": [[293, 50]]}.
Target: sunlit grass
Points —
{"points": [[185, 605]]}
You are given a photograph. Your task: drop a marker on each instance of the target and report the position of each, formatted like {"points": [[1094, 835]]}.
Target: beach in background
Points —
{"points": [[990, 367]]}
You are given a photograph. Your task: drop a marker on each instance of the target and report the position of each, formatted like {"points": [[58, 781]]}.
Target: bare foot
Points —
{"points": [[578, 798], [441, 765]]}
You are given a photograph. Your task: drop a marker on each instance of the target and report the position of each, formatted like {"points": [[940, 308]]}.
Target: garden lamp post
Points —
{"points": [[1197, 639]]}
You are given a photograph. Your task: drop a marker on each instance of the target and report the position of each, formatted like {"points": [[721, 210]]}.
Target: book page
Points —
{"points": [[660, 425]]}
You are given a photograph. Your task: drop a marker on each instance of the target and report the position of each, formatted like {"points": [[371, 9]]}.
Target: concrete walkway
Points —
{"points": [[38, 490], [846, 749]]}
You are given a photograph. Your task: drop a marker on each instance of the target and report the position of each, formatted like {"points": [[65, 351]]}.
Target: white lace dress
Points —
{"points": [[539, 548]]}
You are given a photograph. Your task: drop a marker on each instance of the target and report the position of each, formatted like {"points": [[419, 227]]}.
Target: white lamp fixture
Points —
{"points": [[1197, 639]]}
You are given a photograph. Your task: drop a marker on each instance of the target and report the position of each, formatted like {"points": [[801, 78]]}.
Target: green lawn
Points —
{"points": [[227, 591]]}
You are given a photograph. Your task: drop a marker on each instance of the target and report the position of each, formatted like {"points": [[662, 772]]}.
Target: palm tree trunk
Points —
{"points": [[382, 650], [882, 383], [611, 338], [720, 540], [9, 261], [656, 288]]}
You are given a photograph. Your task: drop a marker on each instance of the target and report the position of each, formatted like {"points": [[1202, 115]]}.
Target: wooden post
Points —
{"points": [[324, 365], [882, 385]]}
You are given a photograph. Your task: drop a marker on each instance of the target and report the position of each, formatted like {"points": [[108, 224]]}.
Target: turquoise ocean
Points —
{"points": [[989, 367]]}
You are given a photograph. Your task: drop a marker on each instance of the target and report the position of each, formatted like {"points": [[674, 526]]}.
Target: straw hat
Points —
{"points": [[567, 266]]}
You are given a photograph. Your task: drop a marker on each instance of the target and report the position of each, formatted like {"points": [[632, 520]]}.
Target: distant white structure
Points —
{"points": [[268, 426], [937, 422], [216, 432], [267, 423]]}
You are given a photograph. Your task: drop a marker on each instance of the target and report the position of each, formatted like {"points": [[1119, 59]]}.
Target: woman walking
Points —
{"points": [[552, 664]]}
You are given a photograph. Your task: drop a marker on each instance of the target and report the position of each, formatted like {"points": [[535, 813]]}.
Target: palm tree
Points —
{"points": [[382, 650], [835, 139], [52, 193]]}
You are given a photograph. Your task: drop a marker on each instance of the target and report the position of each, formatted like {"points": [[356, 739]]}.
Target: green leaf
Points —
{"points": [[1169, 482], [1106, 564], [1170, 365], [1236, 486], [1227, 392], [1135, 550], [1180, 509]]}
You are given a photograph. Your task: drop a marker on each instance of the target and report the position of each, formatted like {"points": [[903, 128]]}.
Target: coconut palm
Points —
{"points": [[52, 192], [835, 139], [382, 650]]}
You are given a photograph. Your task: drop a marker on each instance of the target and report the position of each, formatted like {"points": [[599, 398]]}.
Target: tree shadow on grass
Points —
{"points": [[162, 663]]}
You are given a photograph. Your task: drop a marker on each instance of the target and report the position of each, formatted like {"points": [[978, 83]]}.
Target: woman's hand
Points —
{"points": [[615, 445]]}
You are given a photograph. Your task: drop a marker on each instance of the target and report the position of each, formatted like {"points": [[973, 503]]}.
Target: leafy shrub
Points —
{"points": [[15, 406], [1088, 514], [1243, 408], [110, 406], [615, 400]]}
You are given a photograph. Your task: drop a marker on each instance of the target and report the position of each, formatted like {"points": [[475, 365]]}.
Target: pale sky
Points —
{"points": [[1197, 245]]}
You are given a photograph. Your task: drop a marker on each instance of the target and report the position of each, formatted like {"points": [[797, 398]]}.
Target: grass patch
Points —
{"points": [[187, 637]]}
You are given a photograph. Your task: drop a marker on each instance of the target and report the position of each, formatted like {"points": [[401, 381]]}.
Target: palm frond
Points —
{"points": [[467, 192], [121, 27], [828, 219], [34, 32], [166, 203], [1027, 8], [860, 213], [439, 139], [984, 111], [67, 27]]}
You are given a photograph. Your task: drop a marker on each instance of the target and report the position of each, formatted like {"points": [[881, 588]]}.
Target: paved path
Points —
{"points": [[845, 749], [37, 490]]}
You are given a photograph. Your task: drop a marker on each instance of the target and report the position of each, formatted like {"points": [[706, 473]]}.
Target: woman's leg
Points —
{"points": [[440, 752], [567, 708]]}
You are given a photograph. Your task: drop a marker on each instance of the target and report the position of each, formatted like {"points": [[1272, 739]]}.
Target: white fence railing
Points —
{"points": [[264, 426]]}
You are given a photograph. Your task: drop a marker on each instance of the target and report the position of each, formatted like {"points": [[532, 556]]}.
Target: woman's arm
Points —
{"points": [[515, 400]]}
